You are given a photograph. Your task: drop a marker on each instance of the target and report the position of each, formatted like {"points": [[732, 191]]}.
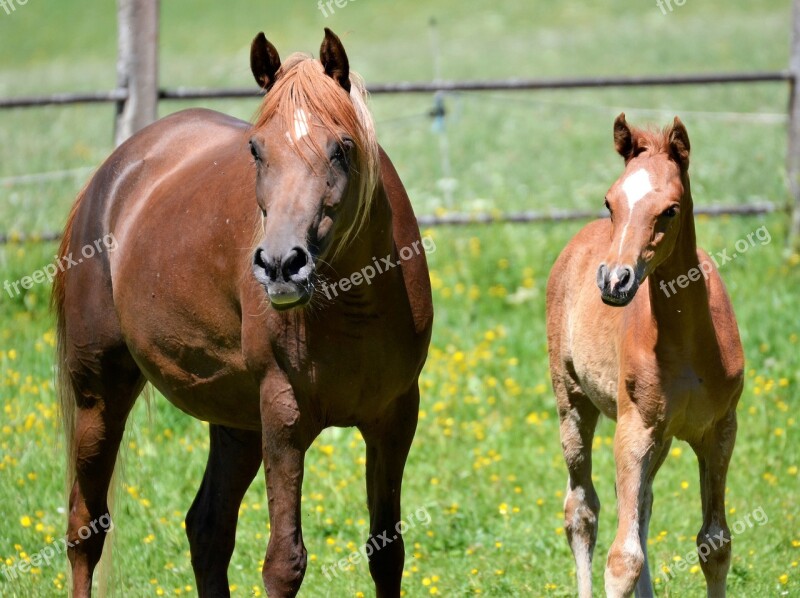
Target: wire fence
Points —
{"points": [[454, 89], [136, 102]]}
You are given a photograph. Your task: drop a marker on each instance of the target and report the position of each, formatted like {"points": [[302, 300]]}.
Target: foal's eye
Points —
{"points": [[607, 205], [670, 212], [254, 152]]}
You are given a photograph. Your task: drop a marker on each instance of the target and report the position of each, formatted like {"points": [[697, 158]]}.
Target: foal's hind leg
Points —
{"points": [[388, 442], [581, 506], [714, 539], [233, 461], [105, 387]]}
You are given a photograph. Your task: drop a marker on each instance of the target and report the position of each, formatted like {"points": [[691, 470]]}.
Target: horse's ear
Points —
{"points": [[679, 144], [334, 59], [264, 61], [623, 137]]}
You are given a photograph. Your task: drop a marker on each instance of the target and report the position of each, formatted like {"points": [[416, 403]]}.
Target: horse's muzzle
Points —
{"points": [[286, 278]]}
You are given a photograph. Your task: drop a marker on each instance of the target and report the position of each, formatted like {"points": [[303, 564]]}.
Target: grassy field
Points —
{"points": [[486, 466]]}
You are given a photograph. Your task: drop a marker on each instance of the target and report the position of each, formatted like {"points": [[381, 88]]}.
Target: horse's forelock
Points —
{"points": [[303, 85]]}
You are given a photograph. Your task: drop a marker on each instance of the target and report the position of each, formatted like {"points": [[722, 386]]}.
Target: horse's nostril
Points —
{"points": [[260, 263], [293, 262], [258, 259]]}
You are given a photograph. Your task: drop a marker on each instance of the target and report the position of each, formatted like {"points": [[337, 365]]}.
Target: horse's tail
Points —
{"points": [[68, 400], [64, 387]]}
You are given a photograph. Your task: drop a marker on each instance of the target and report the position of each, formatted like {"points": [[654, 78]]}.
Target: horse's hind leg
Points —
{"points": [[388, 443], [105, 386], [233, 461], [714, 539], [581, 506]]}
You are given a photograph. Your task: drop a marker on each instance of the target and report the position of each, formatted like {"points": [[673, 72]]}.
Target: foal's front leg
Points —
{"points": [[286, 438], [638, 451], [644, 587], [579, 417], [388, 442]]}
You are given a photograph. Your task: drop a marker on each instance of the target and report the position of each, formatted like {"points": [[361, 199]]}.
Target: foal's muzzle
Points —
{"points": [[286, 278], [617, 284]]}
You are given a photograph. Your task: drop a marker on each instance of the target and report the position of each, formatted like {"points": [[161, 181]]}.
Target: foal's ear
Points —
{"points": [[623, 137], [264, 61], [679, 144], [334, 59]]}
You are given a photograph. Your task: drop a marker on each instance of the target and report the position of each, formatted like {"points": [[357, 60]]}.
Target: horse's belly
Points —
{"points": [[208, 383], [193, 358]]}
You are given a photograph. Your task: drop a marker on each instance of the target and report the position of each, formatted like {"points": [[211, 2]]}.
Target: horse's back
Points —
{"points": [[157, 154]]}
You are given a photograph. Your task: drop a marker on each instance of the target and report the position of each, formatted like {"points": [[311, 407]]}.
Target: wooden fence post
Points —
{"points": [[137, 65], [793, 148]]}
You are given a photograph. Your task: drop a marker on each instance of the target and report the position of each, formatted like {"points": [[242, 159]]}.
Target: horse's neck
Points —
{"points": [[373, 243], [682, 311]]}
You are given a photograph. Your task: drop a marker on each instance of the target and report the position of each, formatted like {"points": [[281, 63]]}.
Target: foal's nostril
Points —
{"points": [[293, 262], [626, 279], [602, 277]]}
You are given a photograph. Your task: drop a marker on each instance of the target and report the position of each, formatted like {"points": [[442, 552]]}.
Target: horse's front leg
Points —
{"points": [[287, 434], [233, 461], [638, 452], [388, 441]]}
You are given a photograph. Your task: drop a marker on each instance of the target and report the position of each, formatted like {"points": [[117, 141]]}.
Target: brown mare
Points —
{"points": [[661, 364], [182, 304]]}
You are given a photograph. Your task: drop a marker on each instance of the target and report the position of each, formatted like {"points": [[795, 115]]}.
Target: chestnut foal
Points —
{"points": [[660, 364]]}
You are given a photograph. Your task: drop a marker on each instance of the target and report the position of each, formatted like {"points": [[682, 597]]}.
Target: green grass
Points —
{"points": [[486, 462]]}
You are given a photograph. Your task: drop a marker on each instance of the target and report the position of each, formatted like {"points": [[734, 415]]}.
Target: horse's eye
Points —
{"points": [[670, 212], [607, 205], [254, 152], [341, 154]]}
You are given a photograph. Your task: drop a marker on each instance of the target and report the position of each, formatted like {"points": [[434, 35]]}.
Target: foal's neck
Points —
{"points": [[676, 308]]}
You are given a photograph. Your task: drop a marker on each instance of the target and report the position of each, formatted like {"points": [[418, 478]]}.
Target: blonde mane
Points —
{"points": [[303, 85]]}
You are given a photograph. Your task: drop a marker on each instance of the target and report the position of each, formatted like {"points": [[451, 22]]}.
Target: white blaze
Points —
{"points": [[300, 124], [636, 186]]}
